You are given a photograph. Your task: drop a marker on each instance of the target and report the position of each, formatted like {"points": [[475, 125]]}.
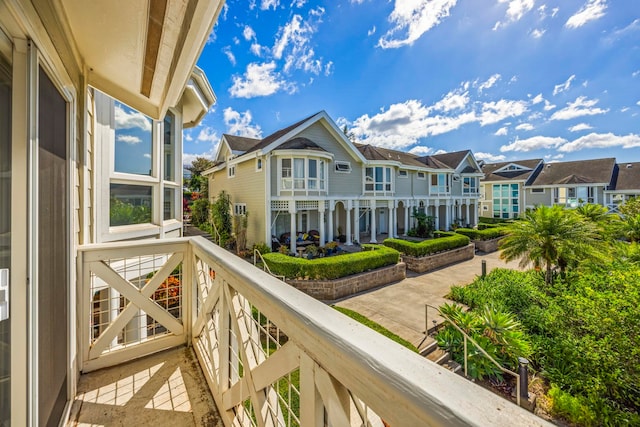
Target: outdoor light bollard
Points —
{"points": [[484, 267], [523, 371]]}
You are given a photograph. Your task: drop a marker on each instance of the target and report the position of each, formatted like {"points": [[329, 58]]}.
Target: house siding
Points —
{"points": [[404, 185]]}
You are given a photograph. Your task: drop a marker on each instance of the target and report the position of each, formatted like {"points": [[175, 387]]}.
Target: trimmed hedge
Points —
{"points": [[334, 267], [482, 226], [427, 247], [486, 234], [490, 220]]}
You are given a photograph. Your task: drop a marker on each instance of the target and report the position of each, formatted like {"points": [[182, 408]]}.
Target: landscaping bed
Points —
{"points": [[431, 254], [485, 240]]}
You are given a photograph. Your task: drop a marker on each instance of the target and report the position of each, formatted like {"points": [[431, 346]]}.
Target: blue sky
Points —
{"points": [[508, 79]]}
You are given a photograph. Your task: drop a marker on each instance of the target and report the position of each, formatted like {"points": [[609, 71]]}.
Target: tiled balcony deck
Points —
{"points": [[164, 389]]}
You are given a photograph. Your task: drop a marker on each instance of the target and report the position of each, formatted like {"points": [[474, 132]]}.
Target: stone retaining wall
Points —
{"points": [[328, 290], [432, 262], [487, 246]]}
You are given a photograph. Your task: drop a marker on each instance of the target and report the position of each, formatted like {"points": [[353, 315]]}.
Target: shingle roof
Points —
{"points": [[577, 172], [279, 133], [371, 152], [628, 176], [301, 143], [490, 169], [452, 159], [240, 143], [432, 162]]}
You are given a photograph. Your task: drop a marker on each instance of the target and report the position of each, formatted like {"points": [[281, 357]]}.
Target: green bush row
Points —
{"points": [[427, 247], [483, 226], [490, 220], [486, 234], [334, 267]]}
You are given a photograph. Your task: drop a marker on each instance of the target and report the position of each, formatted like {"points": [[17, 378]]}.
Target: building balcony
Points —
{"points": [[269, 355]]}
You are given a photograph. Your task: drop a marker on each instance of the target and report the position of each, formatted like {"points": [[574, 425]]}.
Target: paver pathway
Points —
{"points": [[400, 307]]}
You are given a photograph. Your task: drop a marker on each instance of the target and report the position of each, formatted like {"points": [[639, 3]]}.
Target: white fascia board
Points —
{"points": [[224, 141], [304, 153], [520, 167], [216, 168]]}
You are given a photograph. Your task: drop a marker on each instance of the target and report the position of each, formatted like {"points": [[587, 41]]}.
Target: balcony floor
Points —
{"points": [[164, 389]]}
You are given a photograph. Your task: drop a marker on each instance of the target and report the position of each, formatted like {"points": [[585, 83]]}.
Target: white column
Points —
{"points": [[321, 225], [393, 222], [373, 222], [595, 194], [447, 217], [436, 213], [330, 225], [348, 225], [466, 218], [406, 217], [356, 221], [293, 233]]}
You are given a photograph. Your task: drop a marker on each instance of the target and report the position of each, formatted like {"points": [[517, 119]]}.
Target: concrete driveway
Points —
{"points": [[400, 307]]}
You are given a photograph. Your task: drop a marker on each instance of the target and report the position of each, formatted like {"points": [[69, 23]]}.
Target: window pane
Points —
{"points": [[169, 203], [169, 148], [286, 168], [369, 174], [313, 169], [133, 146], [379, 175], [298, 165], [389, 174], [130, 204]]}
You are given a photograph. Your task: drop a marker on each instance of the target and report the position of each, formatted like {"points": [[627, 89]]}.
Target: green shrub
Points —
{"points": [[486, 234], [376, 327], [489, 220], [483, 226], [200, 212], [329, 268], [572, 408], [428, 247], [262, 247]]}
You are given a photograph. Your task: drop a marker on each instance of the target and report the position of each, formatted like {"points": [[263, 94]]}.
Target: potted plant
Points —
{"points": [[311, 251], [341, 237], [331, 247]]}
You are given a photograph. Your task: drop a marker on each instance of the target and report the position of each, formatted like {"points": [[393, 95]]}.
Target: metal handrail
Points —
{"points": [[265, 267], [467, 337]]}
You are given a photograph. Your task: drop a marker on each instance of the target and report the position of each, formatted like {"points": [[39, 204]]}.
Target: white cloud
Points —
{"points": [[441, 151], [537, 33], [638, 103], [188, 137], [412, 19], [146, 155], [372, 31], [553, 158], [131, 119], [548, 106], [298, 3], [624, 109], [601, 140], [562, 87], [578, 108], [502, 131], [421, 150], [533, 143], [256, 49], [489, 83], [248, 33], [293, 43], [517, 8], [188, 158], [579, 127], [230, 55], [496, 111], [537, 99], [454, 100], [267, 4], [259, 80], [489, 157], [635, 73], [207, 134], [592, 10], [240, 123], [128, 139], [524, 126]]}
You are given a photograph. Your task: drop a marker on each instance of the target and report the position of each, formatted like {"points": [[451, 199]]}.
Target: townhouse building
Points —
{"points": [[310, 176], [510, 188]]}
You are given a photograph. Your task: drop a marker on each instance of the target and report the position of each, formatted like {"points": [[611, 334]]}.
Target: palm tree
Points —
{"points": [[607, 223], [551, 237], [630, 228]]}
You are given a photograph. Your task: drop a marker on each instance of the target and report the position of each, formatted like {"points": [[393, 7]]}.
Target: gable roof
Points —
{"points": [[300, 143], [493, 172], [371, 152], [240, 144], [598, 171], [628, 176], [453, 159], [279, 133]]}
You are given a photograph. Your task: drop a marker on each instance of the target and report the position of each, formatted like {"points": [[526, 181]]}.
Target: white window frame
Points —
{"points": [[468, 188], [440, 188], [538, 190], [231, 171], [509, 205], [240, 208], [342, 167], [424, 175], [258, 164], [302, 183], [403, 173], [106, 175], [387, 182]]}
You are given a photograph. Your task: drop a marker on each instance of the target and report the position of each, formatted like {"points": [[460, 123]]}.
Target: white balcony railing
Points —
{"points": [[272, 356]]}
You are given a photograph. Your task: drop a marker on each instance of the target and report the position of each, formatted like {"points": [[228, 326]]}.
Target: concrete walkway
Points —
{"points": [[400, 307]]}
